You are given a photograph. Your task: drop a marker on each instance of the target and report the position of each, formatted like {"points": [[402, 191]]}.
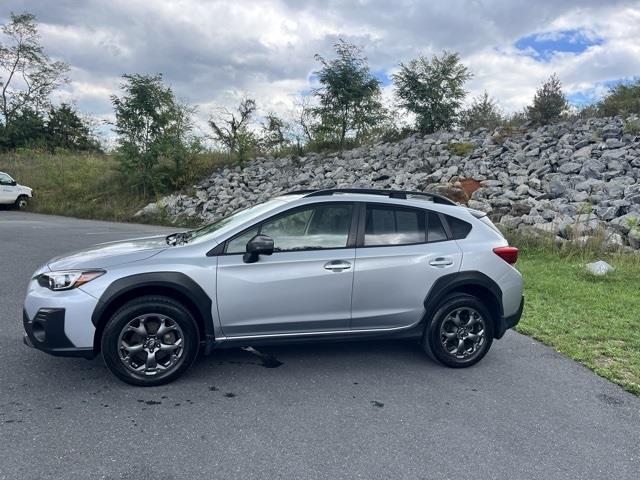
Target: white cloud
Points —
{"points": [[213, 52]]}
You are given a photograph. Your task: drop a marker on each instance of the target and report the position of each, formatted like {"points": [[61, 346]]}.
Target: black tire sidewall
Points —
{"points": [[129, 311], [431, 341], [16, 204]]}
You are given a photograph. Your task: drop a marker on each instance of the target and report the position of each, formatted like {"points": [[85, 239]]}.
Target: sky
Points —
{"points": [[214, 52]]}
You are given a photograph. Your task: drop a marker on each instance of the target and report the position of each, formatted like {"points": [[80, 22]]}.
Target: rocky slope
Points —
{"points": [[572, 180]]}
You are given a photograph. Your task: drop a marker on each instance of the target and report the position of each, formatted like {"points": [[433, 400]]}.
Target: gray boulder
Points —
{"points": [[599, 268]]}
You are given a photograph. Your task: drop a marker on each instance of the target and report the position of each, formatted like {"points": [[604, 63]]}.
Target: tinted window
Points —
{"points": [[459, 228], [393, 226], [321, 227], [239, 244], [435, 231]]}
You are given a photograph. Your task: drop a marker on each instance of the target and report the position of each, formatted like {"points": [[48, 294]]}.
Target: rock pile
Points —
{"points": [[573, 180]]}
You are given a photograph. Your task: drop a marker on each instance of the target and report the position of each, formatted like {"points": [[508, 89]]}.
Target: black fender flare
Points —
{"points": [[461, 281], [183, 285]]}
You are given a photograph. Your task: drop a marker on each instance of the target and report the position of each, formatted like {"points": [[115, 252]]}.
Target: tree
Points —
{"points": [[622, 99], [433, 90], [181, 146], [275, 134], [483, 113], [349, 96], [66, 129], [231, 129], [147, 117], [26, 130], [28, 75], [548, 103]]}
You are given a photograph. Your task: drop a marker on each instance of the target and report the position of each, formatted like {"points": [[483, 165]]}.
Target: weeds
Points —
{"points": [[460, 149]]}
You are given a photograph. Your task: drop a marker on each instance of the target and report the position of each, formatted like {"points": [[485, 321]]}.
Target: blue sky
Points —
{"points": [[213, 52], [543, 46]]}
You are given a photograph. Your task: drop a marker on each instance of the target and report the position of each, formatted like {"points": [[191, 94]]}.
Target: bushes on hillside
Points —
{"points": [[483, 113], [622, 99], [156, 141], [549, 102]]}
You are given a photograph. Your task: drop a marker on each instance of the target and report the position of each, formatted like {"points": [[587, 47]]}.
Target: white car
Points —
{"points": [[11, 193]]}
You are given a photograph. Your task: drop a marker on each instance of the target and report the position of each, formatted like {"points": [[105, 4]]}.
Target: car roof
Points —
{"points": [[390, 193], [427, 200]]}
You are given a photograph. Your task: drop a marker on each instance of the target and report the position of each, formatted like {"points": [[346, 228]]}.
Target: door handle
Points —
{"points": [[441, 262], [337, 265]]}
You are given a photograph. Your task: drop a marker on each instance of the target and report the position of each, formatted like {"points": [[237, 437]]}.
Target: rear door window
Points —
{"points": [[435, 229], [391, 225]]}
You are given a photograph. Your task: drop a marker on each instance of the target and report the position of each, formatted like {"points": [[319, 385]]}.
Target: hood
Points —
{"points": [[25, 188], [105, 255]]}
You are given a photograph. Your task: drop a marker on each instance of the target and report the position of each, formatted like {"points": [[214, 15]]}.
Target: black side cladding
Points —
{"points": [[174, 281], [461, 281]]}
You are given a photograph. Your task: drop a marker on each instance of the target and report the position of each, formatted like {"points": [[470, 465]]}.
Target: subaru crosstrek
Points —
{"points": [[310, 265]]}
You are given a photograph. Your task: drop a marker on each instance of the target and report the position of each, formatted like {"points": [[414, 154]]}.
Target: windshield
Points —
{"points": [[5, 179], [234, 220]]}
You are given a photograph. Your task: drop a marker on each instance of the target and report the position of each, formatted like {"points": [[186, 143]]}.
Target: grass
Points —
{"points": [[593, 320], [460, 149], [90, 185]]}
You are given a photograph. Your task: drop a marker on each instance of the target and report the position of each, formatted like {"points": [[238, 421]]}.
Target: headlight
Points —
{"points": [[66, 280]]}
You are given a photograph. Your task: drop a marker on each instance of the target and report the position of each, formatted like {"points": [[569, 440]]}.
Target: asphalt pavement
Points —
{"points": [[371, 410]]}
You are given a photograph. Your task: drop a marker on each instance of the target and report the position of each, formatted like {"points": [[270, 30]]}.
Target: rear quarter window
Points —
{"points": [[459, 228]]}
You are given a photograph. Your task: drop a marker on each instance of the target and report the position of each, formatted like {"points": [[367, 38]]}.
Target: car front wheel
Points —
{"points": [[21, 202], [460, 333], [150, 341]]}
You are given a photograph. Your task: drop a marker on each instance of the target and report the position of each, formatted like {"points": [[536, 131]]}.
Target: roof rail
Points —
{"points": [[298, 192], [402, 194]]}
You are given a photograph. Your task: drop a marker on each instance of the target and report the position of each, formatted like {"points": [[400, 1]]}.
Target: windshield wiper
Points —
{"points": [[178, 238]]}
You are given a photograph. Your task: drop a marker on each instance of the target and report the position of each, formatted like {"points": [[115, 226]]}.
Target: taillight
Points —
{"points": [[508, 254]]}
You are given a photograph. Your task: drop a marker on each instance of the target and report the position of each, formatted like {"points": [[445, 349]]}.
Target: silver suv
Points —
{"points": [[309, 265]]}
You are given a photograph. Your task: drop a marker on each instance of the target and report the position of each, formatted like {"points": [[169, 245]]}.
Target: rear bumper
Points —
{"points": [[505, 323], [45, 331]]}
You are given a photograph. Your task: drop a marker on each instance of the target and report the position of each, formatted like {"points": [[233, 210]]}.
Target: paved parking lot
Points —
{"points": [[351, 410]]}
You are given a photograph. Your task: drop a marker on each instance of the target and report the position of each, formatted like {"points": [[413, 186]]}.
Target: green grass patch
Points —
{"points": [[460, 149], [91, 185], [593, 320]]}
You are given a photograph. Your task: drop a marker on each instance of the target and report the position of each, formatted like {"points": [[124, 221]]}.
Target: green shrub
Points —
{"points": [[623, 99], [460, 149], [483, 113], [632, 127], [549, 102]]}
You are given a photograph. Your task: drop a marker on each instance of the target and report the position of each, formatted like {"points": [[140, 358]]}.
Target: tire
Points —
{"points": [[136, 350], [21, 202], [451, 325]]}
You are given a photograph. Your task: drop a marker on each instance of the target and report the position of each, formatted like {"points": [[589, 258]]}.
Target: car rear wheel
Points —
{"points": [[460, 333], [150, 341], [21, 202]]}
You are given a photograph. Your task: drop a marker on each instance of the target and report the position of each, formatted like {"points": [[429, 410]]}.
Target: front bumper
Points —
{"points": [[59, 323], [505, 323], [45, 331]]}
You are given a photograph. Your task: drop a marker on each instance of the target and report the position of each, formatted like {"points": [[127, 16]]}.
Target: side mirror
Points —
{"points": [[13, 183], [258, 245]]}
